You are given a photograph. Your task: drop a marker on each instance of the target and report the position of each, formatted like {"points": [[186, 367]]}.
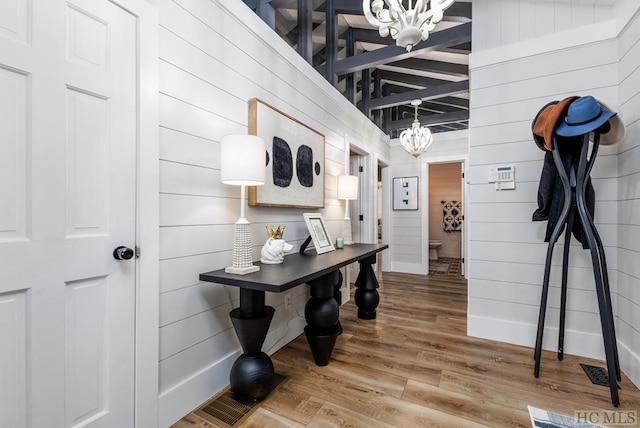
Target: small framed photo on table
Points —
{"points": [[405, 193], [318, 232]]}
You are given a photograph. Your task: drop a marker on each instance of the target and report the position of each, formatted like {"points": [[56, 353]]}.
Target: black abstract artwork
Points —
{"points": [[294, 162], [304, 166], [282, 163]]}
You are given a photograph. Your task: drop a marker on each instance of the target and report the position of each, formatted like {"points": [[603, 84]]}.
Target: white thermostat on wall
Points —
{"points": [[504, 176]]}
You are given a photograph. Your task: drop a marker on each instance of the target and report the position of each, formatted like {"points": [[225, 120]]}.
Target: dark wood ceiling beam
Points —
{"points": [[331, 48], [458, 9], [411, 79], [351, 80], [430, 120], [438, 40], [390, 88], [348, 7], [452, 102], [451, 88], [444, 103], [305, 28], [428, 107], [370, 36], [354, 7], [460, 70]]}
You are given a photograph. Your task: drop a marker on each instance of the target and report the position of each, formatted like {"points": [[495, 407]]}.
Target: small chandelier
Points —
{"points": [[416, 139], [406, 26]]}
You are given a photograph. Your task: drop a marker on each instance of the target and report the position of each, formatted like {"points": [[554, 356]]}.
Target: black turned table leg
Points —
{"points": [[322, 314], [252, 374], [367, 297]]}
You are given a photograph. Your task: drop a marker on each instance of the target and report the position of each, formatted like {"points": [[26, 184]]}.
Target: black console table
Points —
{"points": [[252, 374]]}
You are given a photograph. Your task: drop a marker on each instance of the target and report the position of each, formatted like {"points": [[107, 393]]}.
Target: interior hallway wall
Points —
{"points": [[498, 23], [628, 254], [445, 184], [215, 55], [510, 83]]}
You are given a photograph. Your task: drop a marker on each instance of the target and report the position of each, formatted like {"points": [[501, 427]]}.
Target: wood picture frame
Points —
{"points": [[318, 231], [405, 193], [295, 160]]}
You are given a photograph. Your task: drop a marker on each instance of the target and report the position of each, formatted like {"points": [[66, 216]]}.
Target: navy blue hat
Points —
{"points": [[585, 114]]}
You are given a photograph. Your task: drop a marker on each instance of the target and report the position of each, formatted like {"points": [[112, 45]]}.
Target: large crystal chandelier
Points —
{"points": [[406, 25], [416, 139]]}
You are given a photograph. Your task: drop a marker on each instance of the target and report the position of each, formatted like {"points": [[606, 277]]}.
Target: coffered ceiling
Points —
{"points": [[435, 71]]}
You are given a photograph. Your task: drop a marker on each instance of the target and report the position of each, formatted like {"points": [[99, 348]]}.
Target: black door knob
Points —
{"points": [[123, 253]]}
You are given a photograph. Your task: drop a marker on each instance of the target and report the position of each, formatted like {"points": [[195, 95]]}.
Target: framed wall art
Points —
{"points": [[405, 193], [318, 232], [295, 160]]}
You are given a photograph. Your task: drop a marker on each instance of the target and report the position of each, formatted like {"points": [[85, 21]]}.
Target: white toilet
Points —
{"points": [[433, 249]]}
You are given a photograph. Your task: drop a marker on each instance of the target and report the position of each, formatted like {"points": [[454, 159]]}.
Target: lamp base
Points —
{"points": [[242, 261], [243, 270], [346, 231]]}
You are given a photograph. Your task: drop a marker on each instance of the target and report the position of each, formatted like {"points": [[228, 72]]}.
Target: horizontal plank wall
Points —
{"points": [[501, 22], [215, 55], [509, 85], [408, 243], [628, 275]]}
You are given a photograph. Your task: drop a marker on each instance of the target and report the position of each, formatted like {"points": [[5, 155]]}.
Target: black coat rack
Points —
{"points": [[574, 184]]}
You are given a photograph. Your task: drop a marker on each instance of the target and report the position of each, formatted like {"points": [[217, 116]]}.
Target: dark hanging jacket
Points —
{"points": [[551, 191]]}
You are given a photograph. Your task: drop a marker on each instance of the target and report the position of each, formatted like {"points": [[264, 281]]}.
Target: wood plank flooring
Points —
{"points": [[414, 366]]}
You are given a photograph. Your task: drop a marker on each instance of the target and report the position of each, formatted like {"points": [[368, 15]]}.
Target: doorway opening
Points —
{"points": [[446, 219]]}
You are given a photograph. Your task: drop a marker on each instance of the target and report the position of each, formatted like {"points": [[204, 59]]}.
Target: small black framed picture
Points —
{"points": [[405, 193]]}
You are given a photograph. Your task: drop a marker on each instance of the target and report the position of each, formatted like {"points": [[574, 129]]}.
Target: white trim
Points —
{"points": [[424, 218], [386, 216], [569, 39], [404, 267], [630, 363], [147, 218], [424, 169], [213, 378], [576, 342]]}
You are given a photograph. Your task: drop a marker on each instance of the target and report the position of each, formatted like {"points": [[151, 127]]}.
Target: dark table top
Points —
{"points": [[295, 270]]}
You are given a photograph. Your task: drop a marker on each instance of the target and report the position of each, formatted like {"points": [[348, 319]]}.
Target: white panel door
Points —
{"points": [[67, 199]]}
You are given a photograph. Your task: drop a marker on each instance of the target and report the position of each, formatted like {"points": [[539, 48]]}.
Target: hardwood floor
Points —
{"points": [[414, 366]]}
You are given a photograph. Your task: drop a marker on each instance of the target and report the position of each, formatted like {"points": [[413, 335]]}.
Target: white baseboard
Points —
{"points": [[415, 268], [629, 363], [575, 342], [178, 401]]}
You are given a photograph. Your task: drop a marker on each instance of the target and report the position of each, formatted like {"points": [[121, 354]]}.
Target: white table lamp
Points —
{"points": [[347, 190], [242, 163]]}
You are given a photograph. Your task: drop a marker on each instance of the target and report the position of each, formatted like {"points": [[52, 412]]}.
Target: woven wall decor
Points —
{"points": [[452, 215]]}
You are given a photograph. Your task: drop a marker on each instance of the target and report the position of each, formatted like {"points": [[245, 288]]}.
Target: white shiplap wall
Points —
{"points": [[506, 249], [509, 84], [501, 22], [214, 56], [628, 275]]}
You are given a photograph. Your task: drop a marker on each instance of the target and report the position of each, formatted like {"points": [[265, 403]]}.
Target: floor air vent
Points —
{"points": [[597, 375], [230, 412]]}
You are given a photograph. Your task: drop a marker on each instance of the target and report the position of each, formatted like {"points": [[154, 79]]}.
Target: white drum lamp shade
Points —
{"points": [[242, 163], [347, 190], [243, 160], [348, 187]]}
